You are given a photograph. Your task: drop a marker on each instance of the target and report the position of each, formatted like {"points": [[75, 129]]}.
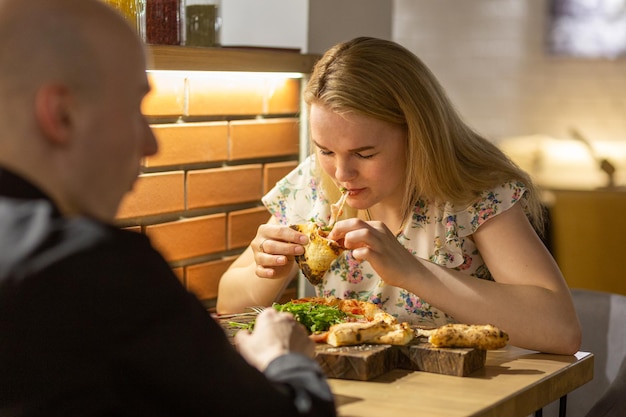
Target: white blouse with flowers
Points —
{"points": [[439, 233]]}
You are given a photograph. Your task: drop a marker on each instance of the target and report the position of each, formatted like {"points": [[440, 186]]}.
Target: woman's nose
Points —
{"points": [[344, 171]]}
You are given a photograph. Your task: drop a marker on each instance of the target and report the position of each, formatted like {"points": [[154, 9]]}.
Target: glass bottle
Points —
{"points": [[162, 22], [129, 9], [202, 22]]}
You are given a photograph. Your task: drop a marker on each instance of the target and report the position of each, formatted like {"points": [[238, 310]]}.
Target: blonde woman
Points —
{"points": [[440, 225]]}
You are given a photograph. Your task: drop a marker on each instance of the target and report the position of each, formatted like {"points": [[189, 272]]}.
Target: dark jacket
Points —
{"points": [[94, 323]]}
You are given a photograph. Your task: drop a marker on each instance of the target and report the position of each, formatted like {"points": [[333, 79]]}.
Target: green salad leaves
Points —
{"points": [[315, 317]]}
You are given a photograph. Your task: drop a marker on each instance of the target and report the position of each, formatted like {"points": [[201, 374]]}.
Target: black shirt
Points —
{"points": [[94, 323]]}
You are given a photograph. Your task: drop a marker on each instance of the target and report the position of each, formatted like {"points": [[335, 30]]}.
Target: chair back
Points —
{"points": [[603, 320]]}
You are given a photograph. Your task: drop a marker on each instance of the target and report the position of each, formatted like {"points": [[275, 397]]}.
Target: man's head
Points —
{"points": [[72, 78]]}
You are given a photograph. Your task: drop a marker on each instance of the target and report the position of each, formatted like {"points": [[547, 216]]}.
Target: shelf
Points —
{"points": [[179, 58]]}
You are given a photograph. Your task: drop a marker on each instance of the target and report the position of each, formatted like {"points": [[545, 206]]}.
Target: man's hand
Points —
{"points": [[275, 334]]}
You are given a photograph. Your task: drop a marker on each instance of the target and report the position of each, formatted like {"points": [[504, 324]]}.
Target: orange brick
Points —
{"points": [[264, 138], [189, 143], [154, 194], [225, 94], [273, 172], [221, 186], [284, 97], [189, 238], [203, 279], [167, 97], [243, 225]]}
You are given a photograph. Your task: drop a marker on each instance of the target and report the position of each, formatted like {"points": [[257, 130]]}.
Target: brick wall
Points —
{"points": [[223, 143]]}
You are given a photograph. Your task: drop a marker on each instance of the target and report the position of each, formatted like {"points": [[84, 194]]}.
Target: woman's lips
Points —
{"points": [[354, 192]]}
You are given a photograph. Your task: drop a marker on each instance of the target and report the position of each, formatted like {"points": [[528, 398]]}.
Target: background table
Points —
{"points": [[514, 382]]}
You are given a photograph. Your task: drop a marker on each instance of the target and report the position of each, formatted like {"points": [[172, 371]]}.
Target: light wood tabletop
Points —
{"points": [[514, 382]]}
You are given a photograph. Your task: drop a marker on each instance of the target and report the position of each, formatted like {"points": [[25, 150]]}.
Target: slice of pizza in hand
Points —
{"points": [[319, 253], [486, 337]]}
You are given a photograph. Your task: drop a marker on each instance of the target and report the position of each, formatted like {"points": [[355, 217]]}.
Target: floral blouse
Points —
{"points": [[439, 233]]}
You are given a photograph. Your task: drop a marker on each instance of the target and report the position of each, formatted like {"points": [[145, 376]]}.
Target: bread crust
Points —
{"points": [[375, 332], [486, 337], [319, 252]]}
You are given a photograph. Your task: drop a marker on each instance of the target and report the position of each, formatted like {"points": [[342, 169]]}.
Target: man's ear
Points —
{"points": [[53, 104]]}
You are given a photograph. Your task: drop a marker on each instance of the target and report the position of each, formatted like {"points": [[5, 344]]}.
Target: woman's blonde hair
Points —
{"points": [[446, 159]]}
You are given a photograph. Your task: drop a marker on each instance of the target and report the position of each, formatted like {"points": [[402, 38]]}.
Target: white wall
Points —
{"points": [[333, 21], [492, 58], [312, 26], [265, 23]]}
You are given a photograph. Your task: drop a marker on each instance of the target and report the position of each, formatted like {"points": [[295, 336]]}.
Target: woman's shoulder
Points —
{"points": [[302, 176], [464, 219], [490, 203], [436, 230]]}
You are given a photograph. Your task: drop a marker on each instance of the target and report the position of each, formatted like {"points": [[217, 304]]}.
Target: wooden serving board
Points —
{"points": [[422, 356], [365, 362], [362, 362]]}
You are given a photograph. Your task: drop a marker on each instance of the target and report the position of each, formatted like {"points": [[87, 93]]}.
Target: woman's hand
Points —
{"points": [[372, 241], [274, 248], [263, 270]]}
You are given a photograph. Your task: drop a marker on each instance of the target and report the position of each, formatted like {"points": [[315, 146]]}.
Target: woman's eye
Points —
{"points": [[326, 152]]}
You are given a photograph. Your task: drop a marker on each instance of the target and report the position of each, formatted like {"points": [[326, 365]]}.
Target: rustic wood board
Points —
{"points": [[422, 356], [362, 362], [365, 362]]}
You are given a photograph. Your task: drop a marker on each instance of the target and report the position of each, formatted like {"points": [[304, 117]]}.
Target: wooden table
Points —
{"points": [[514, 382]]}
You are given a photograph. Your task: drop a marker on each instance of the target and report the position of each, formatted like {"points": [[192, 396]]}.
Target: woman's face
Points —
{"points": [[367, 156]]}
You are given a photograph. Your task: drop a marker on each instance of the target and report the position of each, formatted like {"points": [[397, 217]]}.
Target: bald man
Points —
{"points": [[92, 320]]}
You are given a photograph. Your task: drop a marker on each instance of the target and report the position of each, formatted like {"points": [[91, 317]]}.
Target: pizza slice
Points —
{"points": [[368, 310], [347, 322], [319, 253], [375, 332], [486, 337], [356, 310]]}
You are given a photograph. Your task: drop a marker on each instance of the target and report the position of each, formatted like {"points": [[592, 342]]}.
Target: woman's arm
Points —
{"points": [[259, 277], [529, 287], [529, 298]]}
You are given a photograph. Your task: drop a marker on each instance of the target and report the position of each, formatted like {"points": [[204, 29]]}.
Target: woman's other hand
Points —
{"points": [[372, 241]]}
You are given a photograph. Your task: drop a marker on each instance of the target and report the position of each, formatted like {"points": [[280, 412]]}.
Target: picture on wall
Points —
{"points": [[587, 28]]}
